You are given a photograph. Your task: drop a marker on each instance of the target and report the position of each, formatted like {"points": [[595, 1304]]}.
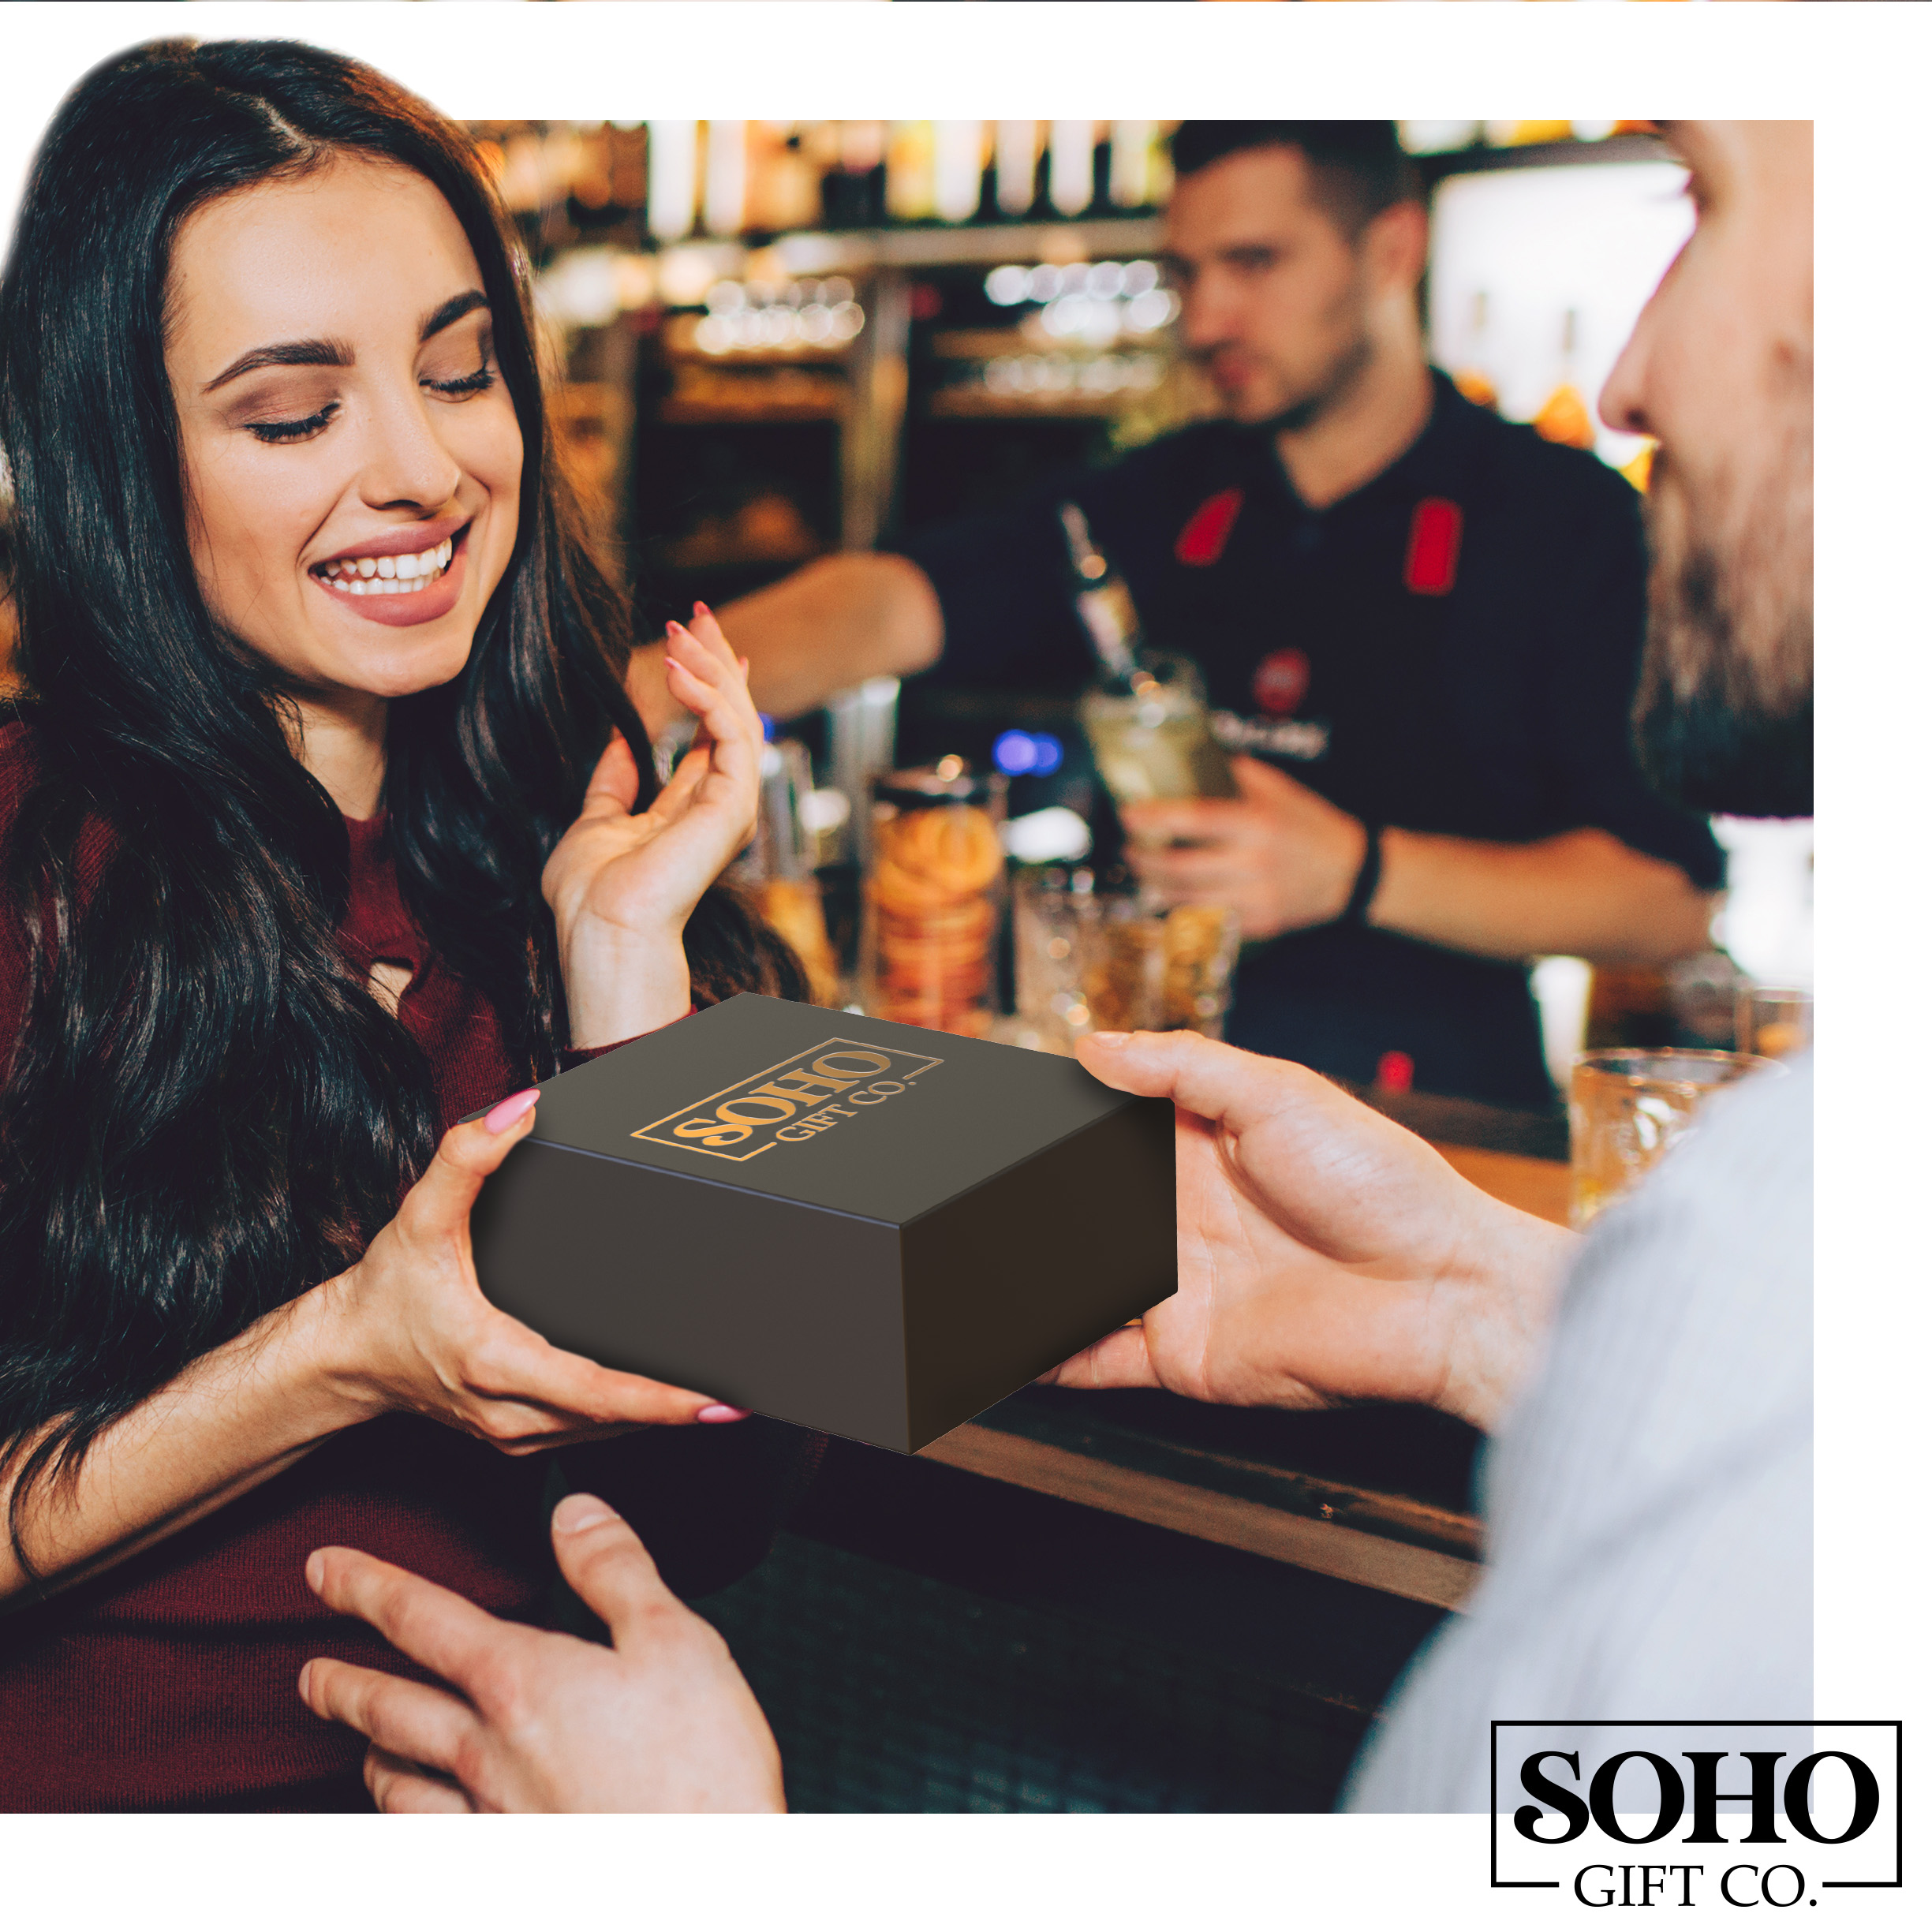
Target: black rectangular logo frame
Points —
{"points": [[1895, 1725]]}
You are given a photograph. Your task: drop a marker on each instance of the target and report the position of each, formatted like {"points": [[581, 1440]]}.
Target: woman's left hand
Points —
{"points": [[622, 887]]}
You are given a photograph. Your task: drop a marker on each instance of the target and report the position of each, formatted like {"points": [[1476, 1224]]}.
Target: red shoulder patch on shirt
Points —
{"points": [[1435, 541], [1204, 536]]}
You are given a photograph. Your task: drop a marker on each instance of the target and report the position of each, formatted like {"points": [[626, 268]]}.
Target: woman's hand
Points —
{"points": [[661, 1721], [407, 1326], [1326, 1254], [622, 887]]}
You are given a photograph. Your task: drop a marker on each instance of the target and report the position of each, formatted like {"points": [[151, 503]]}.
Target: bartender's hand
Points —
{"points": [[622, 884], [1326, 1254], [541, 1722], [1281, 854]]}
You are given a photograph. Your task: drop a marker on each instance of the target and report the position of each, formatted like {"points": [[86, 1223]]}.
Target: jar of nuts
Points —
{"points": [[935, 897]]}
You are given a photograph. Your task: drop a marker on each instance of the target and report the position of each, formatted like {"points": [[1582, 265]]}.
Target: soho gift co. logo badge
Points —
{"points": [[1617, 1814], [795, 1099]]}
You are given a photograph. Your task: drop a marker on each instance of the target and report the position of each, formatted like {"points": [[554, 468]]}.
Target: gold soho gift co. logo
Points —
{"points": [[794, 1100]]}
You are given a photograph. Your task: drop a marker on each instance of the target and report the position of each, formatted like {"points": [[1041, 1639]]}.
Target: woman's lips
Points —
{"points": [[438, 597]]}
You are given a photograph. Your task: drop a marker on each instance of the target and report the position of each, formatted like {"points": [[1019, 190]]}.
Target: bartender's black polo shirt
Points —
{"points": [[1451, 648]]}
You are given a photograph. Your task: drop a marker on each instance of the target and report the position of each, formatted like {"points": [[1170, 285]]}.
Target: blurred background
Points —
{"points": [[773, 339]]}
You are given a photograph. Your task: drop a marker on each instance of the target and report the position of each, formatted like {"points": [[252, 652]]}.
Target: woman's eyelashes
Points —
{"points": [[294, 429], [299, 428], [477, 380]]}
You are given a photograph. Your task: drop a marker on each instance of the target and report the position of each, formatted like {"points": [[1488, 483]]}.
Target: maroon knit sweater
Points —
{"points": [[168, 1683]]}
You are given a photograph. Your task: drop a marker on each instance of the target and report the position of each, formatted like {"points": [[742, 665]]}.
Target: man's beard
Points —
{"points": [[1332, 386], [1723, 712], [1336, 380]]}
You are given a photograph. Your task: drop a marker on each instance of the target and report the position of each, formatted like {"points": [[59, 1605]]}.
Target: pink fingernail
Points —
{"points": [[722, 1412], [1108, 1038], [505, 1114], [700, 610]]}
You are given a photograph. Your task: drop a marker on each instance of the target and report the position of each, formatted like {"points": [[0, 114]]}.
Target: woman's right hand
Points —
{"points": [[409, 1328]]}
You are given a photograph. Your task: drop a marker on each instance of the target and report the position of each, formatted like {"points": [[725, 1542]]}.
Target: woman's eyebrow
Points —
{"points": [[318, 353], [454, 310], [313, 354]]}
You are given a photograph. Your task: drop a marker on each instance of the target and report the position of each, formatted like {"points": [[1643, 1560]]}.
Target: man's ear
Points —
{"points": [[1396, 247]]}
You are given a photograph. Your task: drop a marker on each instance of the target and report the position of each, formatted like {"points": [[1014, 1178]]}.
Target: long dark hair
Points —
{"points": [[207, 1112]]}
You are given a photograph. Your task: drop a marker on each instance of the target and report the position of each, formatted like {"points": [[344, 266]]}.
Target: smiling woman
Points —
{"points": [[324, 822]]}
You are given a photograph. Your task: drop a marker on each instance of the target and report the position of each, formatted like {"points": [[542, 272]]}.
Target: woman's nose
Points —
{"points": [[408, 464]]}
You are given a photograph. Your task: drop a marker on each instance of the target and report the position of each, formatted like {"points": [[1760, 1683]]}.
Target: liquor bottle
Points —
{"points": [[672, 170], [1146, 715], [1565, 417], [782, 179], [959, 161], [726, 157], [1132, 153], [911, 183], [853, 189], [1016, 160], [1070, 166], [1473, 379]]}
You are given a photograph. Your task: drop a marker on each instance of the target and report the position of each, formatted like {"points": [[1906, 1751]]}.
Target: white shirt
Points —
{"points": [[1649, 1499]]}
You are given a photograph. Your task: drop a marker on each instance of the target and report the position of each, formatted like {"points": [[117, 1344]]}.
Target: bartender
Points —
{"points": [[1419, 627]]}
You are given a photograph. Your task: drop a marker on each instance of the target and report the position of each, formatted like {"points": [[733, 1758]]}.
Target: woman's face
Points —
{"points": [[352, 455]]}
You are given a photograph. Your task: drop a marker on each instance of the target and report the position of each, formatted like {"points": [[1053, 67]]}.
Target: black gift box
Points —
{"points": [[860, 1226]]}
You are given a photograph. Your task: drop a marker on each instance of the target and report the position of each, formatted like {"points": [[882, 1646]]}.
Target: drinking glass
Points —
{"points": [[1773, 1021], [1149, 967], [1087, 956], [1153, 738], [1053, 909], [1630, 1106]]}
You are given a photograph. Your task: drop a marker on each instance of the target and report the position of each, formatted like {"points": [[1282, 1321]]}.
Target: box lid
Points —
{"points": [[862, 1116]]}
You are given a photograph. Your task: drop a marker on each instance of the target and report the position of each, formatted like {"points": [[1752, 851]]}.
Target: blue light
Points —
{"points": [[1017, 753], [1013, 751]]}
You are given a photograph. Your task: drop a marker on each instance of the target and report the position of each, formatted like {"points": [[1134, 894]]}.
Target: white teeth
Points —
{"points": [[384, 577]]}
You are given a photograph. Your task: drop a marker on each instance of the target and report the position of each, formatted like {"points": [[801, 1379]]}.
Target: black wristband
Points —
{"points": [[1356, 911]]}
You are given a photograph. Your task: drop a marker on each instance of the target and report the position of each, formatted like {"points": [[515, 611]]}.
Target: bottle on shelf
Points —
{"points": [[1565, 417], [1133, 150], [726, 157], [1473, 378], [855, 188], [671, 165], [781, 187], [1070, 166], [910, 163], [1016, 162], [959, 163], [1146, 715]]}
